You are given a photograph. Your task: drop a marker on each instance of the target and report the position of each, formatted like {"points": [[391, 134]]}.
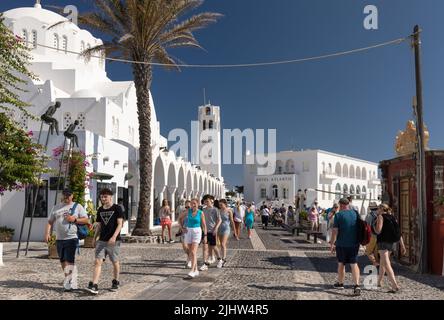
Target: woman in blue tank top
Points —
{"points": [[195, 223], [249, 219]]}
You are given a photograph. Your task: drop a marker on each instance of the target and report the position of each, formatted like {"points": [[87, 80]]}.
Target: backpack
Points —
{"points": [[394, 233], [82, 229], [364, 231]]}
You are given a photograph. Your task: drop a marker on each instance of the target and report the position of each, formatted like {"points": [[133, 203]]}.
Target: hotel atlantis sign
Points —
{"points": [[279, 178]]}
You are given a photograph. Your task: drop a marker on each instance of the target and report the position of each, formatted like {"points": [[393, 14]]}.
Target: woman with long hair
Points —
{"points": [[387, 237], [249, 219], [226, 216], [193, 234], [165, 219]]}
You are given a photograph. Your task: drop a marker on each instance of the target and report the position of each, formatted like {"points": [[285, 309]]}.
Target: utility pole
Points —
{"points": [[420, 159]]}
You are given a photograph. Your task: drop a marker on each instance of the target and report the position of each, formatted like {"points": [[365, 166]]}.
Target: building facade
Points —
{"points": [[108, 123], [324, 175]]}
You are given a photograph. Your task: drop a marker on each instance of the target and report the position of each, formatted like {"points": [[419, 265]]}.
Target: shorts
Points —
{"points": [[211, 239], [386, 246], [224, 230], [347, 255], [66, 249], [113, 252], [193, 235], [265, 220], [165, 222]]}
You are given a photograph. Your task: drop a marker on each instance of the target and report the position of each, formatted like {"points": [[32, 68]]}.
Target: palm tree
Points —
{"points": [[143, 31]]}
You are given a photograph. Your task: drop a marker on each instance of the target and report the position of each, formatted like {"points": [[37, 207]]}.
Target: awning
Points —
{"points": [[101, 176]]}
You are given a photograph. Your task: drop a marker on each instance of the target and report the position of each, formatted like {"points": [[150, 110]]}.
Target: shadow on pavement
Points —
{"points": [[20, 284]]}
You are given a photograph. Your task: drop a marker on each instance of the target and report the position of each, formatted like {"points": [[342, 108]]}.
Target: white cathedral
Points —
{"points": [[108, 124]]}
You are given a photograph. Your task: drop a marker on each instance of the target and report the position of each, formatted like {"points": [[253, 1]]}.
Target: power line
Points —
{"points": [[246, 65]]}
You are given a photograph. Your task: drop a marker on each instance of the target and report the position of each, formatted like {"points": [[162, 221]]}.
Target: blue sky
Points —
{"points": [[350, 105]]}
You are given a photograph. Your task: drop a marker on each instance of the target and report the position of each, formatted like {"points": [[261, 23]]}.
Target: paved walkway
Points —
{"points": [[272, 265]]}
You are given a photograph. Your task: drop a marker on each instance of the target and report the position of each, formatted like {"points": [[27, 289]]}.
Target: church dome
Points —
{"points": [[46, 17]]}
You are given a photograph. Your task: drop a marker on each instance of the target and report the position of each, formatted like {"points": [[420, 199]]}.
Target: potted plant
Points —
{"points": [[52, 248], [439, 207], [303, 219], [6, 234], [89, 240]]}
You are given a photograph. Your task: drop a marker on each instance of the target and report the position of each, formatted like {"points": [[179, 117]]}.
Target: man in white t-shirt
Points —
{"points": [[64, 218]]}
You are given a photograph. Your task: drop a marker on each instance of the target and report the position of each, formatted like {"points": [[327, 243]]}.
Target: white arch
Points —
{"points": [[189, 183], [205, 187], [159, 172], [195, 182], [200, 189], [358, 192], [358, 173], [345, 189], [338, 169], [345, 170], [352, 172], [181, 183], [338, 190], [364, 174], [172, 177]]}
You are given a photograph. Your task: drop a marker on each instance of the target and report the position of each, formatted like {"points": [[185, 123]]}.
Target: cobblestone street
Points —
{"points": [[273, 265]]}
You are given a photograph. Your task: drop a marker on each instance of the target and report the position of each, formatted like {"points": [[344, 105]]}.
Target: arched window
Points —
{"points": [[345, 171], [364, 174], [358, 192], [330, 169], [34, 38], [352, 191], [358, 173], [279, 167], [345, 190], [208, 111], [323, 167], [352, 172], [210, 124], [275, 192], [338, 170], [364, 190], [56, 41], [285, 193], [65, 43], [289, 166], [338, 191]]}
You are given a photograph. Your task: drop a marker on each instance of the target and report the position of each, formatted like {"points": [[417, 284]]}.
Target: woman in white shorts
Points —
{"points": [[193, 234]]}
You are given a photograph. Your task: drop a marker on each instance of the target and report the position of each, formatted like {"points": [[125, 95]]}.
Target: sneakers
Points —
{"points": [[193, 274], [171, 241], [357, 290], [115, 285], [338, 285], [220, 263], [93, 288], [204, 267]]}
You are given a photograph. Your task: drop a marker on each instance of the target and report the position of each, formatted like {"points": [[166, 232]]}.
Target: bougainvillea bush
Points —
{"points": [[20, 157]]}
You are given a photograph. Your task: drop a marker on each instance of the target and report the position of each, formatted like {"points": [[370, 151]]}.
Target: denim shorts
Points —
{"points": [[66, 249], [347, 255]]}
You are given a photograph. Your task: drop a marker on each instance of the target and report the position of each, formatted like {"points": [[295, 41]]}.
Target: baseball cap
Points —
{"points": [[67, 191]]}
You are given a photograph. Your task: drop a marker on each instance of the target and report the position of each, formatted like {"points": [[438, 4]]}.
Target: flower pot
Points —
{"points": [[89, 242], [52, 252], [5, 237]]}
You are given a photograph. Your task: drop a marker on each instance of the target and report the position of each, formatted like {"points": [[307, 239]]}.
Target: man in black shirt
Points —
{"points": [[108, 224]]}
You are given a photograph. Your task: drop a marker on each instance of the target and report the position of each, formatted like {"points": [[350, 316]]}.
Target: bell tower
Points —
{"points": [[209, 140]]}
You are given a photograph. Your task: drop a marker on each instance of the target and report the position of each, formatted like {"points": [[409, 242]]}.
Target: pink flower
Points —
{"points": [[30, 134]]}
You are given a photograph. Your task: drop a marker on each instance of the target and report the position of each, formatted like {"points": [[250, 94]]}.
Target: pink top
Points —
{"points": [[313, 215]]}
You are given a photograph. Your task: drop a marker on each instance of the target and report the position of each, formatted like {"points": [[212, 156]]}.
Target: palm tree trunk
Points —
{"points": [[142, 80]]}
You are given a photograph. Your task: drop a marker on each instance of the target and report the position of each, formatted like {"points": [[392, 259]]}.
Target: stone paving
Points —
{"points": [[273, 265]]}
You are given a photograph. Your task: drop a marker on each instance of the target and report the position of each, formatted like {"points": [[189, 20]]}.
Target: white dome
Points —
{"points": [[46, 17]]}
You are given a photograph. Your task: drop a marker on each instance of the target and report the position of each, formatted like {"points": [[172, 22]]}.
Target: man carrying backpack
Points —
{"points": [[345, 242], [389, 234], [109, 223], [64, 218]]}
